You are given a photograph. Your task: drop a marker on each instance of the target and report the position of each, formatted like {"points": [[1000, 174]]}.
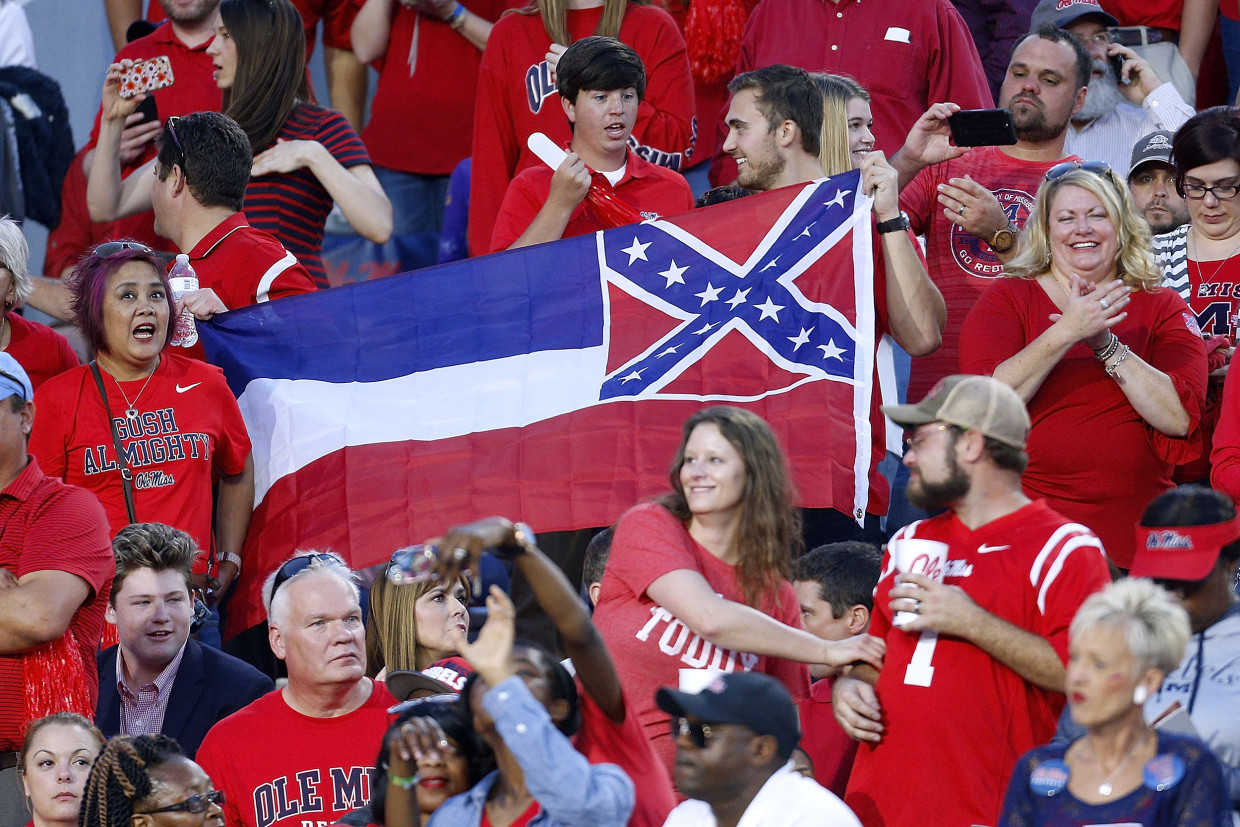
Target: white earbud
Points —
{"points": [[1140, 694]]}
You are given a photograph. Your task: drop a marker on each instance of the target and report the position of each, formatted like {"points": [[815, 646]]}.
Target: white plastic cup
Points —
{"points": [[916, 556]]}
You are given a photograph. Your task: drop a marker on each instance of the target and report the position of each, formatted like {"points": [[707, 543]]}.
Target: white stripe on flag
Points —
{"points": [[435, 404]]}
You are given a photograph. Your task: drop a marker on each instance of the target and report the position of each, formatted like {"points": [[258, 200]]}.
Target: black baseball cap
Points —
{"points": [[751, 699]]}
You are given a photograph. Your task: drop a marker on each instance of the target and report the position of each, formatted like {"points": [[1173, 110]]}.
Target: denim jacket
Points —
{"points": [[571, 791]]}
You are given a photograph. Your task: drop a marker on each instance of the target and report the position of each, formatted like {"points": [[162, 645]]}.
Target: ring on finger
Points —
{"points": [[1104, 304], [961, 210], [916, 606]]}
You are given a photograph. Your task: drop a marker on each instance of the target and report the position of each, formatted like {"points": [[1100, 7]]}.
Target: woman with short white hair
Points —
{"points": [[41, 351], [1122, 642]]}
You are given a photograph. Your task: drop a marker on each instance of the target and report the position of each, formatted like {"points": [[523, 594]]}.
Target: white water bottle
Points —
{"points": [[183, 280]]}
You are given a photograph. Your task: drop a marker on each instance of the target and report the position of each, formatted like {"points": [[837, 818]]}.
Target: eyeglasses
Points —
{"points": [[1102, 38], [300, 564], [194, 804], [914, 442], [1096, 167], [111, 248], [699, 734], [1223, 192]]}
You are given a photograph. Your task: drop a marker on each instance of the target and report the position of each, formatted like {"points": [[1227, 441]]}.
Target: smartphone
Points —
{"points": [[982, 127], [148, 110], [146, 76], [1117, 66]]}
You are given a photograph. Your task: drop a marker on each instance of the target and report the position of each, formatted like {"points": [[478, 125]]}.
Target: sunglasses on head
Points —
{"points": [[111, 248], [298, 565], [194, 804], [171, 126], [1096, 167], [699, 734]]}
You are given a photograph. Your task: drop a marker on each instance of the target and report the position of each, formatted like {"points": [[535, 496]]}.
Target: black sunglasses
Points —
{"points": [[110, 248], [194, 804], [699, 734], [171, 126], [1096, 167], [298, 565]]}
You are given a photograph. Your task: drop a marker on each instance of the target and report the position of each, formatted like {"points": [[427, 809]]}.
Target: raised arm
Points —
{"points": [[108, 197], [916, 312], [556, 596]]}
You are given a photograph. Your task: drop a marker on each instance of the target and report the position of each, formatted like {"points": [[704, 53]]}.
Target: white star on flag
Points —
{"points": [[800, 339], [710, 294], [673, 274], [830, 351], [636, 250], [770, 310], [739, 298]]}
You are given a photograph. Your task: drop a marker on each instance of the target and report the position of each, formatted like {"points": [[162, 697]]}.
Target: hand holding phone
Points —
{"points": [[982, 127], [146, 76]]}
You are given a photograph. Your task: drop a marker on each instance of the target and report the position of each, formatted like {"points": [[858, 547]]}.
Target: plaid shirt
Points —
{"points": [[143, 713]]}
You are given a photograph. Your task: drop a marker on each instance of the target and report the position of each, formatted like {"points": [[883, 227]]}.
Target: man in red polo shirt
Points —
{"points": [[202, 173], [601, 81]]}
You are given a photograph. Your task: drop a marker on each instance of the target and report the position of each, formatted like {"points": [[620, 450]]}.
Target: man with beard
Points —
{"points": [[774, 129], [978, 672], [970, 203], [1114, 114], [1151, 180]]}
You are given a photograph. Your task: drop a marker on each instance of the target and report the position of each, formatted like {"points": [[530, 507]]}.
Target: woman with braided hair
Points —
{"points": [[136, 780]]}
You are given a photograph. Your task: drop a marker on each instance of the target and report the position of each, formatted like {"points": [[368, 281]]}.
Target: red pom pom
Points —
{"points": [[56, 680], [713, 36]]}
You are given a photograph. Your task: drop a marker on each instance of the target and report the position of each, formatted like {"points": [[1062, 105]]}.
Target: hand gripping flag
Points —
{"points": [[549, 384]]}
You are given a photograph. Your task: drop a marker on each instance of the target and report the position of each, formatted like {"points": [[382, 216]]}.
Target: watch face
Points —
{"points": [[1003, 241]]}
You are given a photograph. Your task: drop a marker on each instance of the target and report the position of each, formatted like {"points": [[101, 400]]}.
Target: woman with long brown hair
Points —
{"points": [[697, 582]]}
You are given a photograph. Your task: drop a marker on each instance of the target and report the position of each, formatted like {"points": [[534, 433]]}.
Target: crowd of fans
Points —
{"points": [[1032, 622]]}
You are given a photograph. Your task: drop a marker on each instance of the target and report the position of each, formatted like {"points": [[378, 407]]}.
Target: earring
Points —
{"points": [[1140, 695]]}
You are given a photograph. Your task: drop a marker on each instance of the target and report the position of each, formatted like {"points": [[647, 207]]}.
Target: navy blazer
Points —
{"points": [[209, 685]]}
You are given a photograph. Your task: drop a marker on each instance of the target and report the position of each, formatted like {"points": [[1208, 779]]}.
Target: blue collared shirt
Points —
{"points": [[571, 791]]}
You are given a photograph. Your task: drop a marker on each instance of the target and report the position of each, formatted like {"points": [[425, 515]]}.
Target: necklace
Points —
{"points": [[131, 411], [1105, 788], [1222, 263]]}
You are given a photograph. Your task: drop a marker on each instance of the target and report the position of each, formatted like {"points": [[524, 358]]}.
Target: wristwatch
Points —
{"points": [[1003, 240], [894, 225], [524, 542]]}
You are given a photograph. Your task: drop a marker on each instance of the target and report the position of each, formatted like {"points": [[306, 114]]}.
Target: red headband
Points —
{"points": [[1181, 552]]}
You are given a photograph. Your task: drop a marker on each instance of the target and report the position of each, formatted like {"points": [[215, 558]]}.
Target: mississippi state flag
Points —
{"points": [[549, 384]]}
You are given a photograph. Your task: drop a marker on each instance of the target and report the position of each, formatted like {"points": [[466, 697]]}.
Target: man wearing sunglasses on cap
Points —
{"points": [[300, 755], [56, 570], [733, 743]]}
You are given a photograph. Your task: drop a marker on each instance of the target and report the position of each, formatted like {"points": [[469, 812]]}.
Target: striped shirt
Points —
{"points": [[294, 206], [143, 713]]}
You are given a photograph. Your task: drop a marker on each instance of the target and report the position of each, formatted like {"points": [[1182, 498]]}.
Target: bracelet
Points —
{"points": [[229, 557], [1111, 369], [457, 19], [405, 782], [1108, 350]]}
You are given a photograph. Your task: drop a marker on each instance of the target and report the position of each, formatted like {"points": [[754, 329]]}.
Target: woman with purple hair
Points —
{"points": [[144, 428]]}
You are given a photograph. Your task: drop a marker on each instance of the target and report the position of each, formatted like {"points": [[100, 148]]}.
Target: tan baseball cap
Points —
{"points": [[978, 403]]}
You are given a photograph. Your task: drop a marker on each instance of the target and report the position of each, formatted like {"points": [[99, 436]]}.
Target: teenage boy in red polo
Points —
{"points": [[601, 81]]}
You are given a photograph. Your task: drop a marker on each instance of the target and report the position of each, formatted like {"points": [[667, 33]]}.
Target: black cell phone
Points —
{"points": [[148, 110], [1117, 66], [982, 127]]}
